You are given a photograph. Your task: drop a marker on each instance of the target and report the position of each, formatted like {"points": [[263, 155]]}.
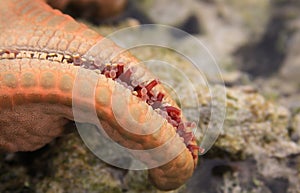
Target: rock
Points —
{"points": [[229, 24], [268, 54], [255, 144], [235, 78], [296, 128], [167, 12], [291, 66], [68, 166]]}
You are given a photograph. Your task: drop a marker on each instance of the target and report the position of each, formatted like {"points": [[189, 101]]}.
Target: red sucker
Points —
{"points": [[120, 69], [112, 74], [106, 73], [178, 119], [188, 137], [138, 89], [192, 147], [191, 124], [195, 147], [174, 113], [160, 96], [172, 110], [152, 84], [180, 127], [77, 61]]}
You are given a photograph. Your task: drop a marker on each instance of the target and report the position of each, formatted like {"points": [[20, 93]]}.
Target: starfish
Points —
{"points": [[41, 53]]}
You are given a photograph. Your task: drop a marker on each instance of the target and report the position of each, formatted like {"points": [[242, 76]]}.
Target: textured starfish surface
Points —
{"points": [[41, 52]]}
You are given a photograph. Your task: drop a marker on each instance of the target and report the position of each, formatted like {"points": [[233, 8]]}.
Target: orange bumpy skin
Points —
{"points": [[36, 86]]}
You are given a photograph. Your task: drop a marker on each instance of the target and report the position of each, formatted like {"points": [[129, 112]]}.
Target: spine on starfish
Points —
{"points": [[49, 37]]}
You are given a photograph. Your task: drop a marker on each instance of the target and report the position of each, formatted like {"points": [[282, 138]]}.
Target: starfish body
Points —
{"points": [[41, 53]]}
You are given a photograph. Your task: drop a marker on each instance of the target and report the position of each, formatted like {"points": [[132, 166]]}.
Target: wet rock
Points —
{"points": [[167, 12], [295, 133], [72, 168], [267, 55], [229, 24], [290, 66], [235, 78], [255, 128]]}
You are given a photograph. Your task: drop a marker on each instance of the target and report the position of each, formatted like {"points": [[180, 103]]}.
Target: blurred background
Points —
{"points": [[256, 44]]}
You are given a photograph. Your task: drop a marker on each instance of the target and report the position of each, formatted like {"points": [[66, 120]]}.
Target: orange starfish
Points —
{"points": [[41, 51]]}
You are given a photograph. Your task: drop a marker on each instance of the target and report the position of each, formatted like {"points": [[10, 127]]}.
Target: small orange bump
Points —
{"points": [[23, 40], [53, 43], [42, 17], [73, 46], [11, 39], [55, 21], [27, 9], [66, 83], [63, 44], [90, 34], [103, 96], [84, 89], [28, 79], [83, 47], [71, 26], [10, 80], [139, 113], [33, 41], [47, 80], [43, 41]]}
